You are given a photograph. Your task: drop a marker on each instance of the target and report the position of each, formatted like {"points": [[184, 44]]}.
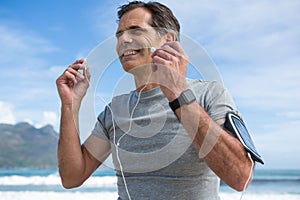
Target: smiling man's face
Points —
{"points": [[135, 37]]}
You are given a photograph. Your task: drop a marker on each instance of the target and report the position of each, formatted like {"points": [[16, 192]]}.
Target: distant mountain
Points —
{"points": [[24, 146]]}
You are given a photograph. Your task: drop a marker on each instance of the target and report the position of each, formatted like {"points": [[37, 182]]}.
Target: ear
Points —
{"points": [[170, 37]]}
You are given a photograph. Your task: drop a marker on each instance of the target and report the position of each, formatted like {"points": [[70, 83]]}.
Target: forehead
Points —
{"points": [[138, 17]]}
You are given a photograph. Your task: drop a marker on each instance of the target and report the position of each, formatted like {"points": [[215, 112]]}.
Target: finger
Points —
{"points": [[163, 54], [80, 61], [75, 73], [159, 62], [175, 45], [168, 47], [168, 53], [70, 78], [77, 66], [165, 58], [175, 49]]}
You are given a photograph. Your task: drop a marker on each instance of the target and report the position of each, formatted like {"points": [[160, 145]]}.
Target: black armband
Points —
{"points": [[237, 127]]}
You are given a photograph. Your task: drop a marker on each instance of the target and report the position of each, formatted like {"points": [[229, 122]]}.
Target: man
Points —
{"points": [[197, 151]]}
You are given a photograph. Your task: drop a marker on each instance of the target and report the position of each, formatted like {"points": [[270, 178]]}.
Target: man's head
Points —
{"points": [[142, 26], [162, 16]]}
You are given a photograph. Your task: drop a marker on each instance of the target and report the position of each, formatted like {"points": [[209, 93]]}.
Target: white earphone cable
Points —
{"points": [[116, 144], [249, 177]]}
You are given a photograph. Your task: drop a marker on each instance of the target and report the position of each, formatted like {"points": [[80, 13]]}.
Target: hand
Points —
{"points": [[171, 63], [72, 85]]}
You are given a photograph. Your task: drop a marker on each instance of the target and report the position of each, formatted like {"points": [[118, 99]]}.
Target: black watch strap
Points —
{"points": [[186, 97], [174, 104]]}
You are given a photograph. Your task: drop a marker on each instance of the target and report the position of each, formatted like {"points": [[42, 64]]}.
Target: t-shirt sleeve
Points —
{"points": [[103, 125], [98, 142], [218, 101]]}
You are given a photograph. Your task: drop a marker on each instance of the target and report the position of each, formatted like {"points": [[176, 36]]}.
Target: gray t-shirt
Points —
{"points": [[156, 154]]}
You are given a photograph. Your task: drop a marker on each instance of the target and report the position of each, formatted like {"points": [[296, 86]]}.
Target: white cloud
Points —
{"points": [[23, 48], [103, 19], [241, 32], [27, 78], [48, 118], [37, 117], [6, 113], [279, 144], [266, 88], [289, 114], [23, 54]]}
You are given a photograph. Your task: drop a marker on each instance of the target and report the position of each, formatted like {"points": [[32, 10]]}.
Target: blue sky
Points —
{"points": [[255, 46]]}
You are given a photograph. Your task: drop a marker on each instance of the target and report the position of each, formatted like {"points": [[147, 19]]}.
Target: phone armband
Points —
{"points": [[237, 127]]}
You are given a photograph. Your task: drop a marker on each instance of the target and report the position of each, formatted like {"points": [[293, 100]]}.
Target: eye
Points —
{"points": [[119, 34], [136, 31]]}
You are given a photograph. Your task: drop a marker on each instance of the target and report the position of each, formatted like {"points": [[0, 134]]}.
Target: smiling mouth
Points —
{"points": [[130, 52]]}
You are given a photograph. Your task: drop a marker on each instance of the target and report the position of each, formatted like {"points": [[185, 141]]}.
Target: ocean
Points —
{"points": [[25, 184]]}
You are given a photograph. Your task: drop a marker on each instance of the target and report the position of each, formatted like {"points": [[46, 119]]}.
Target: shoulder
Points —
{"points": [[122, 97], [205, 87], [213, 97]]}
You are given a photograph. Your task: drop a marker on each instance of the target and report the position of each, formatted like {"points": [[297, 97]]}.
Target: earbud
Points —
{"points": [[152, 49]]}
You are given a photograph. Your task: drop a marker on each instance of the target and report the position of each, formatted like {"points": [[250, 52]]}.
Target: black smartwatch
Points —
{"points": [[185, 98]]}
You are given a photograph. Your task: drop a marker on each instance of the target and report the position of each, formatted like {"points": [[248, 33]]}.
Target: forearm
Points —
{"points": [[75, 162], [70, 156], [223, 153]]}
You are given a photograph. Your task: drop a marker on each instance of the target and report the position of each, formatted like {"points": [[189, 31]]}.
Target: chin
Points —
{"points": [[128, 67]]}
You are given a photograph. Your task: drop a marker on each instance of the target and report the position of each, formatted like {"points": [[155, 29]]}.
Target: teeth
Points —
{"points": [[132, 52]]}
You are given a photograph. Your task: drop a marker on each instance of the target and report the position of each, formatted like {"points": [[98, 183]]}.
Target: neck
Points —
{"points": [[146, 87], [145, 79]]}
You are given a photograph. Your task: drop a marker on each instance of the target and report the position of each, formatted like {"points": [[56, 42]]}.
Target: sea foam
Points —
{"points": [[95, 181], [113, 196]]}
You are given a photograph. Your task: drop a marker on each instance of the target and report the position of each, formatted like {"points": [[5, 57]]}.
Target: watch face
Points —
{"points": [[188, 96]]}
